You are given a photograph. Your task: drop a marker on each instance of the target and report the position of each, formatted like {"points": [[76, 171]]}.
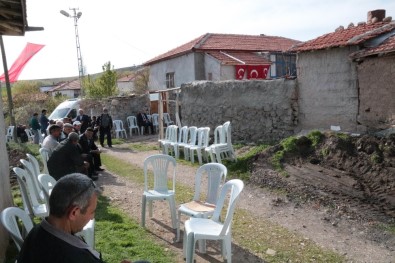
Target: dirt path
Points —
{"points": [[346, 236]]}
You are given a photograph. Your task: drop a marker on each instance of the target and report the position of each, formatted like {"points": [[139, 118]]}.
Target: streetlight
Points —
{"points": [[76, 16]]}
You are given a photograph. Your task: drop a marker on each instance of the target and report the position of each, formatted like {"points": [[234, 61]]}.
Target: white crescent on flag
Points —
{"points": [[240, 73], [254, 72]]}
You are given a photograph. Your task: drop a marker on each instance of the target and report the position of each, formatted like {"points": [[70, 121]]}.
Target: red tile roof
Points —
{"points": [[353, 35], [127, 78], [229, 42], [67, 85], [388, 46], [239, 58]]}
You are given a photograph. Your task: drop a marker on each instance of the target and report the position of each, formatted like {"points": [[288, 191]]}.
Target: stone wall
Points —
{"points": [[259, 111], [119, 107], [377, 93]]}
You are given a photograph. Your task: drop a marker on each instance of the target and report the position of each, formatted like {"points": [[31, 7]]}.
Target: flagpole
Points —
{"points": [[8, 87]]}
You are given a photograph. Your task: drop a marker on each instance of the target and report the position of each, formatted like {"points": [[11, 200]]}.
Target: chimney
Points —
{"points": [[379, 14]]}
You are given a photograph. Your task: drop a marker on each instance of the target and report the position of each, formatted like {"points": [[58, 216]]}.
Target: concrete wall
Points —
{"points": [[327, 87], [183, 68], [211, 65], [259, 111], [377, 92]]}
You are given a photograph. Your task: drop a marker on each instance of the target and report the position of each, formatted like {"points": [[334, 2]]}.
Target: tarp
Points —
{"points": [[28, 52]]}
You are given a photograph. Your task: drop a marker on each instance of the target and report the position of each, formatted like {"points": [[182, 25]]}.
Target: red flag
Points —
{"points": [[16, 68], [240, 71], [257, 71]]}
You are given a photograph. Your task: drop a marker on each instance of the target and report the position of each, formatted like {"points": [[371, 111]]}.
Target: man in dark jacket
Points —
{"points": [[90, 150], [104, 121], [84, 119], [66, 158]]}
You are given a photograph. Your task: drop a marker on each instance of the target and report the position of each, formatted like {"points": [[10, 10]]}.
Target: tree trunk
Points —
{"points": [[5, 186]]}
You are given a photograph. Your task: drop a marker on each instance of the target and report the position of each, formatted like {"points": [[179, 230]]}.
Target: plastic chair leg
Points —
{"points": [[143, 206], [190, 248], [173, 212], [178, 226], [150, 208]]}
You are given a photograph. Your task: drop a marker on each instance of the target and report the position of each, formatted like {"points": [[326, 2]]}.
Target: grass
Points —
{"points": [[118, 237], [250, 232]]}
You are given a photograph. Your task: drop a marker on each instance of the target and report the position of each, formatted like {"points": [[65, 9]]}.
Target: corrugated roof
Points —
{"points": [[239, 58], [387, 46], [352, 35], [229, 42]]}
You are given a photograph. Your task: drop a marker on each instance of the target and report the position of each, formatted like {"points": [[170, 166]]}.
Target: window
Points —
{"points": [[170, 80]]}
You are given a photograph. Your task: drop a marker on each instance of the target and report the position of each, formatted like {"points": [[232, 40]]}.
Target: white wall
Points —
{"points": [[183, 68], [212, 66], [328, 94], [125, 87]]}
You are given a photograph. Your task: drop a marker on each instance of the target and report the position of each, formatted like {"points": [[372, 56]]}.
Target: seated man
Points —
{"points": [[52, 140], [77, 127], [143, 121], [73, 203], [90, 151], [66, 158], [67, 128]]}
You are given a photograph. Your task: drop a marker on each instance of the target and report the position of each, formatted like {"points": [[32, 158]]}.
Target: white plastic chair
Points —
{"points": [[10, 133], [215, 175], [44, 153], [170, 137], [33, 160], [29, 134], [162, 165], [10, 217], [182, 138], [219, 138], [191, 134], [119, 130], [224, 149], [30, 200], [213, 229], [47, 183], [155, 121], [203, 136], [132, 123], [29, 167], [167, 120]]}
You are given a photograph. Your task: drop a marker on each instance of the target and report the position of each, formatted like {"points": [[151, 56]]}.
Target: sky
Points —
{"points": [[128, 32]]}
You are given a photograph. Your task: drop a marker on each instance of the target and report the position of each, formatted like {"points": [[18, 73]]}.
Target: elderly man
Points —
{"points": [[90, 150], [67, 128], [52, 140], [77, 127], [73, 203], [104, 121], [66, 158], [84, 119]]}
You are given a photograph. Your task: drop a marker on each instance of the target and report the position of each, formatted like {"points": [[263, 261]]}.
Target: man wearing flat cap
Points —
{"points": [[104, 122]]}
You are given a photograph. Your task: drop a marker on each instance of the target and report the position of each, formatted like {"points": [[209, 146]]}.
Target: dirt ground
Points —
{"points": [[339, 196], [339, 201]]}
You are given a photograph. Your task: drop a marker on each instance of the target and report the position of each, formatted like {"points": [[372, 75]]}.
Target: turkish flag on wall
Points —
{"points": [[240, 71], [16, 68], [257, 71]]}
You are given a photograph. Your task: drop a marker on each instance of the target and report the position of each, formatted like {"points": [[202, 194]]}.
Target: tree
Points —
{"points": [[104, 86], [141, 81]]}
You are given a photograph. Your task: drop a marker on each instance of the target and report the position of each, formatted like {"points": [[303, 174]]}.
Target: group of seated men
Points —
{"points": [[72, 151]]}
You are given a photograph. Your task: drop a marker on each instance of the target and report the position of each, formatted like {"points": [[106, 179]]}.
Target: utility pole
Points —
{"points": [[76, 15]]}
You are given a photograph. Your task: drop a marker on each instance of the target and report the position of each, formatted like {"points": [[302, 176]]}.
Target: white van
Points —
{"points": [[67, 108]]}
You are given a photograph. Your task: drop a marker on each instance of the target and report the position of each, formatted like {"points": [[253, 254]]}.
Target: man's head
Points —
{"points": [[44, 111], [74, 198], [35, 114], [105, 110], [81, 112], [77, 125], [89, 133], [55, 130], [73, 137], [67, 128], [60, 124]]}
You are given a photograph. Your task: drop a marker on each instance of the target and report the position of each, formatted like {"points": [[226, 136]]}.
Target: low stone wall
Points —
{"points": [[119, 107], [259, 111]]}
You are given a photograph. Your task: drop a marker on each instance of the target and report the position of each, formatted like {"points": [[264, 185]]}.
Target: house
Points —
{"points": [[345, 79], [126, 84], [69, 89], [223, 57]]}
